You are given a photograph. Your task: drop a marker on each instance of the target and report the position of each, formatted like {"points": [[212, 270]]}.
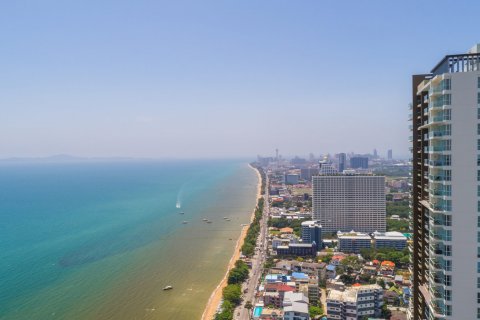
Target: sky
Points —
{"points": [[225, 78]]}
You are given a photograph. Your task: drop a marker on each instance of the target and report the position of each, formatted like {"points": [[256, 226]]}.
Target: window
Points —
{"points": [[478, 83], [448, 265], [448, 250], [478, 128], [478, 113], [478, 236], [478, 97], [478, 175], [447, 99], [478, 313], [448, 280], [478, 297], [447, 114], [448, 295], [448, 235], [447, 84], [478, 206], [448, 310], [478, 221]]}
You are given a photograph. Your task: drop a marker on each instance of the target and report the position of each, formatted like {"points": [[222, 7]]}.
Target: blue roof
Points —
{"points": [[299, 275], [331, 267]]}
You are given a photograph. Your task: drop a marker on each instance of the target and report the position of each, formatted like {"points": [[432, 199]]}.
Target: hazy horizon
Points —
{"points": [[212, 79]]}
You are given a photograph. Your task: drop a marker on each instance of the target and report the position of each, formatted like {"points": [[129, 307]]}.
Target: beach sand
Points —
{"points": [[215, 298]]}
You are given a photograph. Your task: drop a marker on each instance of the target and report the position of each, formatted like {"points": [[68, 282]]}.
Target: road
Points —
{"points": [[241, 313]]}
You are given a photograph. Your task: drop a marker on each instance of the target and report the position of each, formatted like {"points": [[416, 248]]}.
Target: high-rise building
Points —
{"points": [[359, 162], [375, 153], [312, 232], [389, 154], [446, 189], [342, 161], [349, 202]]}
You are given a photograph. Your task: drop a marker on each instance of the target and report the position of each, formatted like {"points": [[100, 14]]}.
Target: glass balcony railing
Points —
{"points": [[438, 163], [438, 148], [438, 133], [440, 193]]}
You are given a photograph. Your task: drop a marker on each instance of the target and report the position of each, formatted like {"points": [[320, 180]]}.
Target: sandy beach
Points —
{"points": [[216, 296]]}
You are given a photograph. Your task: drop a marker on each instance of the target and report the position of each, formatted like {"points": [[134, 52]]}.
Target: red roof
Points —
{"points": [[284, 288], [356, 285], [387, 263]]}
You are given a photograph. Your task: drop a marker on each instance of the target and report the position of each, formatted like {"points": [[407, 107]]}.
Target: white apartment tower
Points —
{"points": [[349, 202], [445, 124]]}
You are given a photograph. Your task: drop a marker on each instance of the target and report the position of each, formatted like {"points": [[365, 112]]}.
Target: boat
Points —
{"points": [[209, 221], [181, 212], [168, 288], [185, 222], [204, 219], [225, 218]]}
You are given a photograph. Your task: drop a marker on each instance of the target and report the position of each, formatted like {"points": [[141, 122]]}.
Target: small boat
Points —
{"points": [[185, 222], [225, 218], [229, 238], [168, 288], [209, 221], [204, 219], [181, 212]]}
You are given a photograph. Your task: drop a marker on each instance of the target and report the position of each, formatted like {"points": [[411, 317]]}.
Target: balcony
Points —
{"points": [[438, 134], [438, 163], [431, 149], [439, 178]]}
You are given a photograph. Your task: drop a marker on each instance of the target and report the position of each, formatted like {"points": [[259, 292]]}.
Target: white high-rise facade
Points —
{"points": [[446, 190], [349, 202]]}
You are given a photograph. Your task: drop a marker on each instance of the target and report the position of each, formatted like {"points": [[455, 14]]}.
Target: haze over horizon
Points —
{"points": [[191, 79]]}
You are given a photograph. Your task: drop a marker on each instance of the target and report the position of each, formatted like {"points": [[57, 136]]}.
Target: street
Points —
{"points": [[249, 287]]}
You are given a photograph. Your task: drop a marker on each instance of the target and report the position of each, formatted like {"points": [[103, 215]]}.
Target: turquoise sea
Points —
{"points": [[98, 240]]}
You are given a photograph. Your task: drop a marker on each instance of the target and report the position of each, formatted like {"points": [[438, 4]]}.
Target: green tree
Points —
{"points": [[232, 293], [315, 311]]}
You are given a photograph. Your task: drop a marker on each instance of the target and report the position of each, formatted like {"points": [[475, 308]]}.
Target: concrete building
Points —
{"points": [[391, 239], [355, 303], [308, 173], [446, 189], [389, 154], [295, 306], [359, 162], [312, 232], [342, 162], [292, 178], [298, 249], [353, 242], [349, 202]]}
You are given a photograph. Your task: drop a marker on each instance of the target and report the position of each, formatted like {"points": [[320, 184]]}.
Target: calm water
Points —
{"points": [[101, 240]]}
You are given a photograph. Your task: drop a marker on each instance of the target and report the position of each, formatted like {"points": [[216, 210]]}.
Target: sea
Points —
{"points": [[100, 240]]}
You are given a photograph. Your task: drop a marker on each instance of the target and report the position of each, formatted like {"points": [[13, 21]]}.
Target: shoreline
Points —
{"points": [[216, 297]]}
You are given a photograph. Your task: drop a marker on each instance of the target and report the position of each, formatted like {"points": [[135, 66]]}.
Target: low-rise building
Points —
{"points": [[355, 302], [295, 306], [353, 241], [298, 249], [392, 239]]}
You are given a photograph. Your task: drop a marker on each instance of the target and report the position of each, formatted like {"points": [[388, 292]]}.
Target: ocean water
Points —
{"points": [[101, 240]]}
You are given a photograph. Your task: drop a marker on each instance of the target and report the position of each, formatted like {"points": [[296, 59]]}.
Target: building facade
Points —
{"points": [[349, 202], [445, 124], [359, 162], [355, 302], [353, 241], [342, 162], [392, 239], [312, 232]]}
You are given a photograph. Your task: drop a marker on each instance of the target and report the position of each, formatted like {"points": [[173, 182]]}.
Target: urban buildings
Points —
{"points": [[349, 202], [342, 162], [446, 189], [353, 241], [291, 178], [390, 154], [359, 162], [312, 232], [357, 302], [392, 239]]}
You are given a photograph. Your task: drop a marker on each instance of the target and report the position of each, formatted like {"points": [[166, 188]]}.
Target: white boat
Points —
{"points": [[168, 288], [185, 222], [181, 212], [204, 219]]}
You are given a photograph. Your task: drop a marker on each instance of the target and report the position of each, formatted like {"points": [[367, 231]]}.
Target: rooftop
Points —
{"points": [[350, 294]]}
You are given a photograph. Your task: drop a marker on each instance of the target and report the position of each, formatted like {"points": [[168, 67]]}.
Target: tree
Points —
{"points": [[386, 314], [351, 264], [248, 305], [381, 283], [232, 293], [315, 311]]}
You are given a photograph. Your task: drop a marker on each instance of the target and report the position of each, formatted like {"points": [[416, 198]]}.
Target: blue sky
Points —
{"points": [[217, 78]]}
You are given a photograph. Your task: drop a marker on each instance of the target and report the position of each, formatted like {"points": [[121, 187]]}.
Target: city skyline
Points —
{"points": [[206, 79]]}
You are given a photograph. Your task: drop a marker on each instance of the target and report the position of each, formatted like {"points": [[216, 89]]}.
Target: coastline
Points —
{"points": [[216, 297]]}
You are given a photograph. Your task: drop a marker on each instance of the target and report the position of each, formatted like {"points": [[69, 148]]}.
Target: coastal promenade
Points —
{"points": [[250, 286]]}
